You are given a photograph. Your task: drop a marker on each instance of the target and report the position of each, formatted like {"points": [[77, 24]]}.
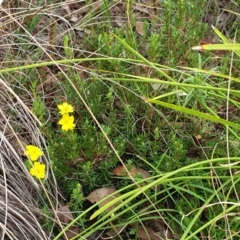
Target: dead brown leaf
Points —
{"points": [[163, 231], [49, 84], [121, 171], [139, 28], [115, 231], [146, 233], [207, 41], [65, 216], [102, 193], [155, 229], [119, 21]]}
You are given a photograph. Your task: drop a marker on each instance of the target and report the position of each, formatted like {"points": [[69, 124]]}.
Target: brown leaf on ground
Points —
{"points": [[139, 28], [146, 233], [115, 231], [207, 41], [48, 85], [121, 171], [119, 21], [65, 216], [162, 230], [154, 229], [101, 193]]}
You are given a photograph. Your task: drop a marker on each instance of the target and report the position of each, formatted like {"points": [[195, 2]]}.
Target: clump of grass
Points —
{"points": [[22, 197]]}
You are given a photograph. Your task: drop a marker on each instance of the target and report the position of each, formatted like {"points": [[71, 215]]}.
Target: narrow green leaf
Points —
{"points": [[195, 113], [231, 46]]}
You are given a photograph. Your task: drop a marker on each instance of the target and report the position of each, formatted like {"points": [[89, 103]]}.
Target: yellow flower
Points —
{"points": [[67, 122], [65, 108], [33, 152], [38, 170]]}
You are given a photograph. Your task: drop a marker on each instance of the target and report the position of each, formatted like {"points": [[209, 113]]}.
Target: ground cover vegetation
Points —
{"points": [[119, 119]]}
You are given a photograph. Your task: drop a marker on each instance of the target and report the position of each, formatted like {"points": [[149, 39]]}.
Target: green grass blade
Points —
{"points": [[226, 46], [230, 46], [195, 113]]}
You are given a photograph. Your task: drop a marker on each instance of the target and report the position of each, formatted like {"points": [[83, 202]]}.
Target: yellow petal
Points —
{"points": [[33, 152], [65, 108]]}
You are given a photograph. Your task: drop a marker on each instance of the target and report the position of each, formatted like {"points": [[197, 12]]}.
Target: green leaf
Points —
{"points": [[195, 113]]}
